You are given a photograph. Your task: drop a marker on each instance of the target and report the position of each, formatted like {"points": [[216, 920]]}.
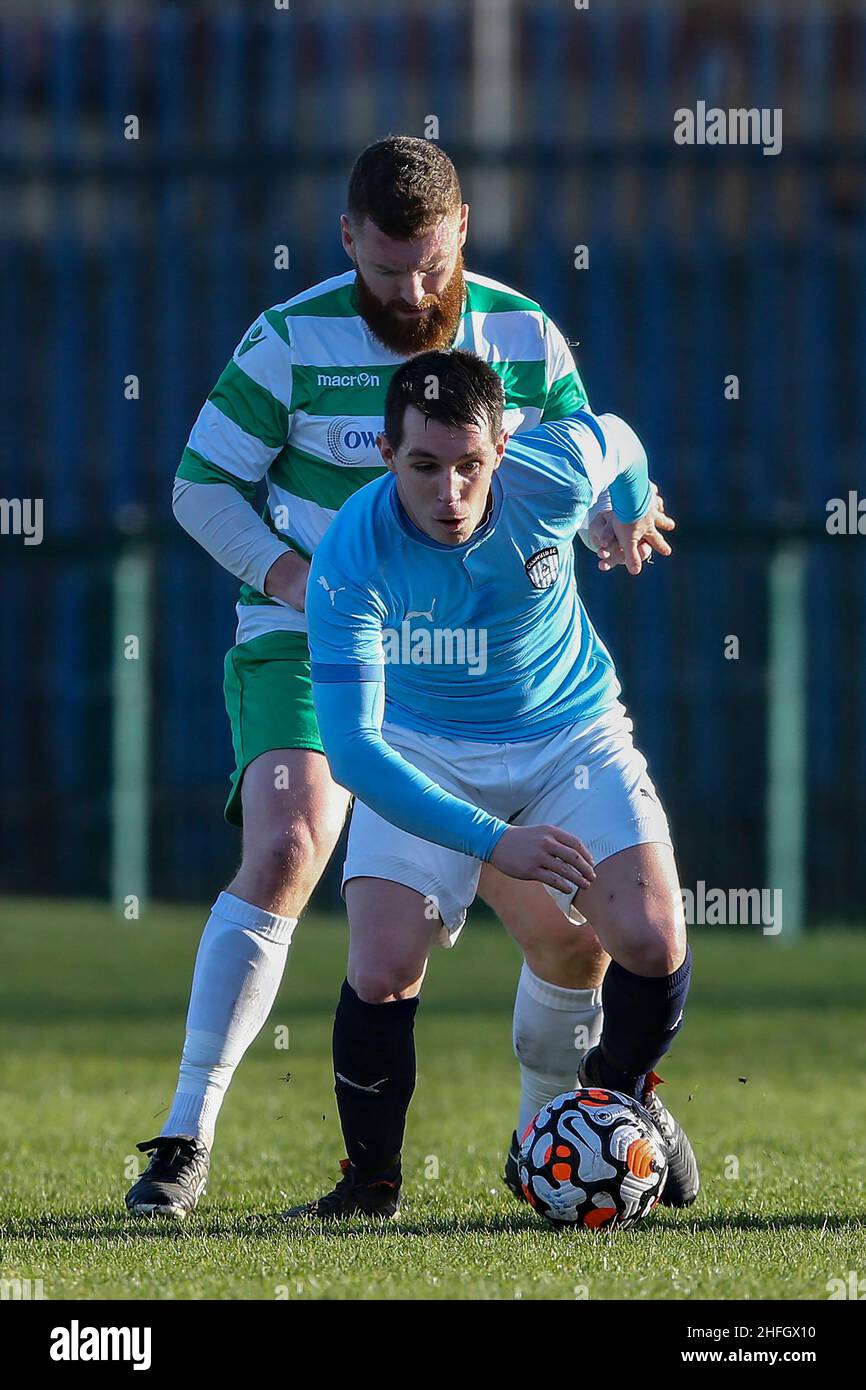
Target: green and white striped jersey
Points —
{"points": [[302, 400]]}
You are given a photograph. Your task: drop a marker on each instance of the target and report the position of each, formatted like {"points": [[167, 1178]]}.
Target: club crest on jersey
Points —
{"points": [[543, 567]]}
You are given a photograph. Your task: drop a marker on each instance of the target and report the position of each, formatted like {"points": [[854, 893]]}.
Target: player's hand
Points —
{"points": [[633, 543], [606, 546], [546, 854], [287, 580]]}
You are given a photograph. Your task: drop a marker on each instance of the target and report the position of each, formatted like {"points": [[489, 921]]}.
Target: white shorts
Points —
{"points": [[587, 778]]}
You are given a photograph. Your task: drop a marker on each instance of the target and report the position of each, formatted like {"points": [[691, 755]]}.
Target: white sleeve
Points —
{"points": [[228, 528], [602, 505]]}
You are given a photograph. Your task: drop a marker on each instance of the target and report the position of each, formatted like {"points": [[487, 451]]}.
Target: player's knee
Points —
{"points": [[377, 983], [284, 856], [659, 952], [565, 954]]}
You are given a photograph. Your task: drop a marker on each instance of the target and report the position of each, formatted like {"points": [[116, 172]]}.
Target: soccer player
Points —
{"points": [[465, 547], [300, 406]]}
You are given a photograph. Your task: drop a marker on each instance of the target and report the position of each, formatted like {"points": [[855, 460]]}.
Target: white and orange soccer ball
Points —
{"points": [[592, 1158]]}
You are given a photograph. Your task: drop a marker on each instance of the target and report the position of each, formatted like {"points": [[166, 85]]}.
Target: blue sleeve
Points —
{"points": [[630, 488], [345, 619], [589, 453], [631, 493], [349, 712], [345, 616]]}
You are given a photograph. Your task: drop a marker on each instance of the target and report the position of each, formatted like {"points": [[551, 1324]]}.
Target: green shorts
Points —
{"points": [[269, 700]]}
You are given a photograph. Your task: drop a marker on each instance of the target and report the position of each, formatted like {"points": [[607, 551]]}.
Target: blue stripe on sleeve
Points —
{"points": [[587, 418]]}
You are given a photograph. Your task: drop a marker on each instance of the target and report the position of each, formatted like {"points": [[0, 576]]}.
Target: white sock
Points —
{"points": [[238, 969], [553, 1028]]}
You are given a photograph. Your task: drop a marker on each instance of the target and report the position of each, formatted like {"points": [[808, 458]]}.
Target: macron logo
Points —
{"points": [[347, 379], [255, 335], [77, 1343]]}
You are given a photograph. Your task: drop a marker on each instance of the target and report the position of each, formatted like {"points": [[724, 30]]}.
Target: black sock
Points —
{"points": [[374, 1067], [642, 1016]]}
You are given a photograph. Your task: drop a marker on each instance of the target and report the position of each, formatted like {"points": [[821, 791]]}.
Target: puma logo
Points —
{"points": [[356, 1086], [332, 593]]}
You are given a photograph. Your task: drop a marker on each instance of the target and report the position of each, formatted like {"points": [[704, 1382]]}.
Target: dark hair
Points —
{"points": [[452, 387], [404, 185]]}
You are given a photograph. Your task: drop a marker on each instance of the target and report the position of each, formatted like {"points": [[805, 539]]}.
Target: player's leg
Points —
{"points": [[403, 895], [291, 825], [391, 935], [638, 914], [557, 1007], [635, 907], [292, 813], [561, 952], [289, 835], [644, 994]]}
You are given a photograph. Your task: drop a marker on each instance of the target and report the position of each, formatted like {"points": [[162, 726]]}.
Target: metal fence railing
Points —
{"points": [[718, 677], [129, 267]]}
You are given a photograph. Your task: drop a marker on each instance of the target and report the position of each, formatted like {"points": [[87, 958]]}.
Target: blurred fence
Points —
{"points": [[146, 258]]}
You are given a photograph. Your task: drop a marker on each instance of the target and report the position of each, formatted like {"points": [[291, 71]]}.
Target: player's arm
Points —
{"points": [[624, 470], [588, 455], [240, 430], [564, 395], [348, 676], [637, 516]]}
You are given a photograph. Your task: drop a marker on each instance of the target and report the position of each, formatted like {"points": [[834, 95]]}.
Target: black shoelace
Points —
{"points": [[168, 1157]]}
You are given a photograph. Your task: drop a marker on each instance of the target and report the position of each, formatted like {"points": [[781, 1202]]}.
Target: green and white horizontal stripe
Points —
{"points": [[218, 435], [301, 403]]}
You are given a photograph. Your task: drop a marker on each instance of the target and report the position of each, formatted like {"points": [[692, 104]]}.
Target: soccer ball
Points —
{"points": [[592, 1158]]}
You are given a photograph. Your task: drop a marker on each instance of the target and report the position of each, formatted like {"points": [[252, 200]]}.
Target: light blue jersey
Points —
{"points": [[487, 640]]}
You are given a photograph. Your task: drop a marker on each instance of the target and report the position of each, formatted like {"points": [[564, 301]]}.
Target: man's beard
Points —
{"points": [[406, 336]]}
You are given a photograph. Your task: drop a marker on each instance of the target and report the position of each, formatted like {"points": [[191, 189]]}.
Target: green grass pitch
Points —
{"points": [[92, 1014]]}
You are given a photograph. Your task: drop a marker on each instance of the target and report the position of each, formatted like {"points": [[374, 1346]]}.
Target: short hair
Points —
{"points": [[404, 185], [452, 387]]}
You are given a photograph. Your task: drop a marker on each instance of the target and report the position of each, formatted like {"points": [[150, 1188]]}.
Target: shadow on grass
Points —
{"points": [[522, 1222], [103, 1226], [747, 1221], [244, 1225]]}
